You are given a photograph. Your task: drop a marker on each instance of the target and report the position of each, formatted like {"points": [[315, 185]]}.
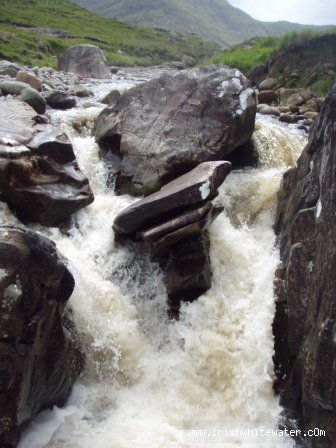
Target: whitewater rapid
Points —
{"points": [[148, 378]]}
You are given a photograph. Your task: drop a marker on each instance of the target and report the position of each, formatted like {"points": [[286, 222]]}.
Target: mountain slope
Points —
{"points": [[21, 25], [214, 20]]}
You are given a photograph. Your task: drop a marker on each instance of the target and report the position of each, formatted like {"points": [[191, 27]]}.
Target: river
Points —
{"points": [[147, 378]]}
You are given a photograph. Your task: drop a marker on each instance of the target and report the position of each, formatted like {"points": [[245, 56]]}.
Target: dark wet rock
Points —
{"points": [[187, 231], [30, 79], [114, 70], [34, 99], [265, 109], [189, 216], [195, 187], [40, 354], [267, 97], [288, 118], [111, 98], [85, 60], [165, 127], [171, 226], [13, 87], [53, 143], [57, 99], [39, 177], [305, 343], [188, 270]]}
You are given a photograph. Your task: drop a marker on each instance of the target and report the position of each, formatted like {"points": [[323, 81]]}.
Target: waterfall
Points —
{"points": [[146, 376]]}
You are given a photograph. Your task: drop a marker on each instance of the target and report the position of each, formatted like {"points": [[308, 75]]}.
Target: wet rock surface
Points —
{"points": [[57, 99], [39, 176], [87, 61], [165, 127], [305, 355], [171, 225], [40, 355]]}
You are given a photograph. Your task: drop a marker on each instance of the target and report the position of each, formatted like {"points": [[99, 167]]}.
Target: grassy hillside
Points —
{"points": [[123, 44], [214, 20], [309, 54]]}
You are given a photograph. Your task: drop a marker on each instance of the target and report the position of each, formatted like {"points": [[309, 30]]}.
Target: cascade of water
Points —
{"points": [[146, 376]]}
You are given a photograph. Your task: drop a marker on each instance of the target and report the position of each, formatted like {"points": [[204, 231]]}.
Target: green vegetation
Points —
{"points": [[213, 20], [322, 87], [248, 55], [123, 44], [257, 51]]}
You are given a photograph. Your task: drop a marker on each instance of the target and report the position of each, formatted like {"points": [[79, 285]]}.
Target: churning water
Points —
{"points": [[148, 378]]}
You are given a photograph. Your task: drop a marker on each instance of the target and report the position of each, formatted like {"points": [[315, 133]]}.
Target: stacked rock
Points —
{"points": [[171, 225]]}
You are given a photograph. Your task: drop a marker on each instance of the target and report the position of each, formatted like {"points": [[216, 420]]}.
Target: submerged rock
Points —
{"points": [[40, 354], [305, 355], [165, 127], [85, 60], [39, 176]]}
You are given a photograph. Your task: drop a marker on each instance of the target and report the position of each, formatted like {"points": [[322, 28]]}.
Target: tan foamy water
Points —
{"points": [[148, 378]]}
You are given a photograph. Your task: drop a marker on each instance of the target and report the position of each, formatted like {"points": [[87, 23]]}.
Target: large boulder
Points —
{"points": [[171, 226], [39, 176], [85, 60], [305, 321], [40, 355], [165, 127]]}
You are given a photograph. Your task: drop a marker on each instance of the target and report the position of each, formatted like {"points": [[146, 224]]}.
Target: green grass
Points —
{"points": [[123, 44], [248, 55], [256, 52], [322, 87]]}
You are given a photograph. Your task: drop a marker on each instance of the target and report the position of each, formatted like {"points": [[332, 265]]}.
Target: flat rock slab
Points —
{"points": [[16, 122], [165, 127], [195, 187]]}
